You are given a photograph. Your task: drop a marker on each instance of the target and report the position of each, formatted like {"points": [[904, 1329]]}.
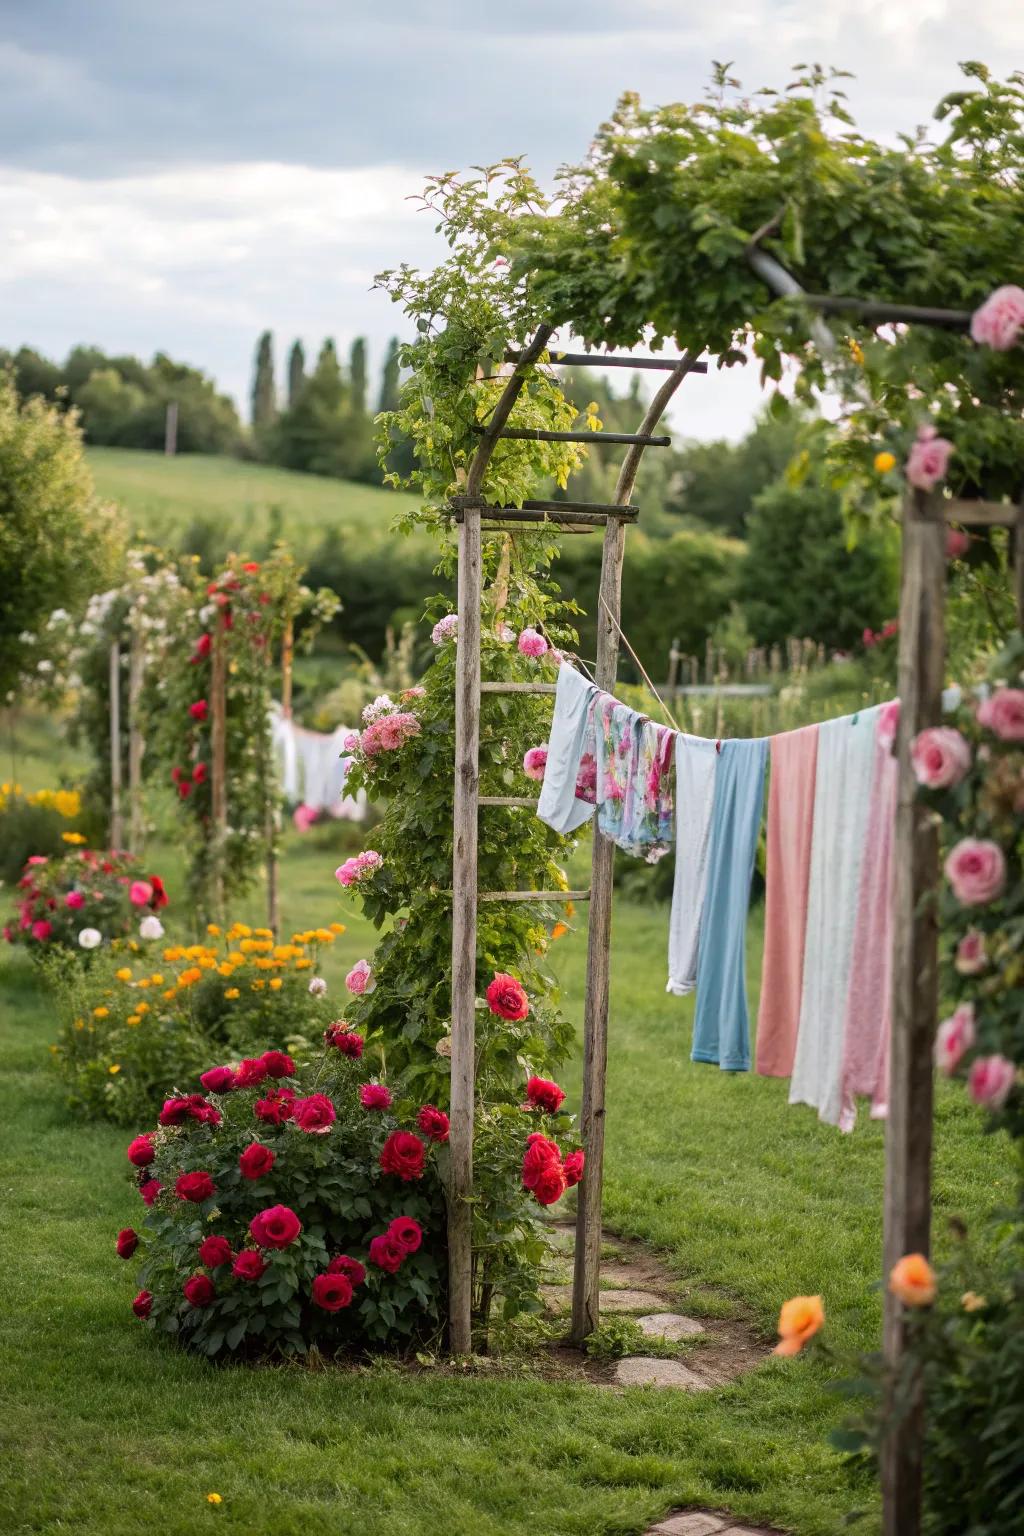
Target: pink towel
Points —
{"points": [[866, 1025], [790, 820]]}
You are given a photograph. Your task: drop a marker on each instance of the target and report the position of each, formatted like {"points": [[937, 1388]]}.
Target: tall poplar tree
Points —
{"points": [[264, 399], [296, 372], [389, 379], [357, 375]]}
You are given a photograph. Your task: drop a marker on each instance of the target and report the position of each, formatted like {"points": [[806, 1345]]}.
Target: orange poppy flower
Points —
{"points": [[799, 1320]]}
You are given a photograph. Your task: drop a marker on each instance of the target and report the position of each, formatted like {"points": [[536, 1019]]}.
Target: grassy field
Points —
{"points": [[254, 502], [108, 1432]]}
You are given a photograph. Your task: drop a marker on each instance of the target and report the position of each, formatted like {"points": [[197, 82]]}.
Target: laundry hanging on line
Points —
{"points": [[312, 766]]}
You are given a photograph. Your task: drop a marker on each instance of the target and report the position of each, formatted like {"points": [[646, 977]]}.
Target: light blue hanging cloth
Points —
{"points": [[569, 772], [721, 1029]]}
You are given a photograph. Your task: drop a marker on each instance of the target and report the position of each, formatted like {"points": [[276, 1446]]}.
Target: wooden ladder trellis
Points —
{"points": [[470, 511]]}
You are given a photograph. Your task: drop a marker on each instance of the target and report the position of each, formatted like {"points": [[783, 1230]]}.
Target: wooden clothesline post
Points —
{"points": [[116, 817], [218, 763], [273, 808], [136, 741]]}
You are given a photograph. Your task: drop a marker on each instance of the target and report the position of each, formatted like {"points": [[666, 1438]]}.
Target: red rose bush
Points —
{"points": [[280, 1211], [84, 900]]}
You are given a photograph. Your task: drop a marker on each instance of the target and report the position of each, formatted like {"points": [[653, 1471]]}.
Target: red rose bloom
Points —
{"points": [[540, 1154], [573, 1166], [198, 1290], [344, 1040], [127, 1242], [218, 1080], [199, 773], [143, 1304], [351, 1268], [251, 566], [314, 1115], [404, 1155], [176, 774], [332, 1292], [149, 1190], [188, 1106], [278, 1064], [276, 1227], [141, 1151], [199, 710], [276, 1108], [506, 997], [433, 1123], [159, 898], [550, 1184], [214, 1250], [184, 788], [203, 645], [194, 1186], [375, 1096], [406, 1232], [249, 1264], [386, 1254], [256, 1160], [250, 1072], [545, 1095]]}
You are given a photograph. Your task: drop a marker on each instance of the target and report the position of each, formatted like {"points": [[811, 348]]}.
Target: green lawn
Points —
{"points": [[163, 496], [107, 1431]]}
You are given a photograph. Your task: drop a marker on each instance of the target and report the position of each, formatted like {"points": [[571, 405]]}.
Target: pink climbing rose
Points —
{"points": [[999, 321], [532, 643], [955, 1036], [535, 762], [445, 629], [957, 543], [360, 978], [1003, 714], [928, 459], [971, 957], [990, 1080], [940, 757], [141, 893], [976, 869]]}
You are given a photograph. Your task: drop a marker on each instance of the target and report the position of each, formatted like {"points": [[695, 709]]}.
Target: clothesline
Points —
{"points": [[312, 767]]}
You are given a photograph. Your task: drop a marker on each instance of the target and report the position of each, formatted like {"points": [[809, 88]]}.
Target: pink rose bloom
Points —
{"points": [[976, 870], [868, 637], [535, 762], [532, 643], [970, 953], [41, 929], [888, 724], [369, 859], [940, 757], [445, 629], [74, 900], [303, 817], [989, 1081], [955, 1036], [360, 978], [1003, 714], [416, 692], [928, 459], [351, 742], [347, 873], [999, 321], [37, 858], [375, 1096], [141, 893], [957, 544]]}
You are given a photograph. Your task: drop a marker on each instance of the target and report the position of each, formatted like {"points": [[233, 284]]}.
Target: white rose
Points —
{"points": [[151, 928], [90, 937]]}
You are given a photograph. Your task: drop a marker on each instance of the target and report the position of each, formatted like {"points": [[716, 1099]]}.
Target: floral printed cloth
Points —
{"points": [[634, 782]]}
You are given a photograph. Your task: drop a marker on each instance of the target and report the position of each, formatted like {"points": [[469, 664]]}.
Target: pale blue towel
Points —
{"points": [[721, 1029], [572, 731]]}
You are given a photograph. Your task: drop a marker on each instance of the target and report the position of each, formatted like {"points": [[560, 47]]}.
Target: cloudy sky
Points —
{"points": [[181, 176]]}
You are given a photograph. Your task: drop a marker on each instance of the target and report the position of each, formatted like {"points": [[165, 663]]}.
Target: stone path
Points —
{"points": [[697, 1522]]}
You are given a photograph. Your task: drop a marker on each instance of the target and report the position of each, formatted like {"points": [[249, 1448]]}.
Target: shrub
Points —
{"points": [[132, 1026], [82, 900], [44, 823]]}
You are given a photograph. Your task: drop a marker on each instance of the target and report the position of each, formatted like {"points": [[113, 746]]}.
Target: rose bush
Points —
{"points": [[147, 1017], [83, 892]]}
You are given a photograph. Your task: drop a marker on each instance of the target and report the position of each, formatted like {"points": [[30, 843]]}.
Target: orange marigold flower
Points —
{"points": [[276, 984], [231, 993], [913, 1281], [799, 1320], [559, 931]]}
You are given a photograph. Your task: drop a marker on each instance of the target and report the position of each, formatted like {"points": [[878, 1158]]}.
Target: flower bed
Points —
{"points": [[42, 822], [136, 1022], [83, 900]]}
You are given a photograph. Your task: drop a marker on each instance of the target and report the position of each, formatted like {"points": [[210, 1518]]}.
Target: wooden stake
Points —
{"points": [[273, 810], [136, 741], [587, 1263], [908, 1135], [218, 763], [1018, 566], [116, 819], [464, 883]]}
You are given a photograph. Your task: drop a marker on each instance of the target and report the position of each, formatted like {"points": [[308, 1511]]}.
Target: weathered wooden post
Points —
{"points": [[116, 818], [908, 1135], [136, 741], [218, 761], [273, 809]]}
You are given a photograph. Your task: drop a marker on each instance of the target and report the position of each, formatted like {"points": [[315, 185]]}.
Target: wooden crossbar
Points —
{"points": [[518, 687], [540, 435], [525, 800], [533, 895], [608, 360]]}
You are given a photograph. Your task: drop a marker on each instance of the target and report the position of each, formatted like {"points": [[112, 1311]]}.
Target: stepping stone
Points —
{"points": [[692, 1523], [630, 1301], [669, 1325], [642, 1371]]}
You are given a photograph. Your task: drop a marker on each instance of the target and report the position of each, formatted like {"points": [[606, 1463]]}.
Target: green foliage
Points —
{"points": [[264, 393], [57, 541], [296, 372], [335, 1186], [718, 483], [41, 823], [616, 1337], [800, 576]]}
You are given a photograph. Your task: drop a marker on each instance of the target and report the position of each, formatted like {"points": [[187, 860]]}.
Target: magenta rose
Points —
{"points": [[999, 321], [971, 957], [127, 1242], [214, 1250], [74, 900], [276, 1227], [250, 1072], [218, 1080], [940, 756], [1003, 714], [532, 643], [344, 1039], [140, 893], [386, 1253], [406, 1232], [928, 459], [976, 870], [573, 1166], [278, 1064], [990, 1080], [403, 1155], [314, 1115], [249, 1265], [433, 1123], [375, 1096], [332, 1291], [543, 1094], [149, 1191], [276, 1108], [141, 1151], [535, 762], [143, 1304], [194, 1186], [199, 1291], [955, 1035], [351, 1268], [256, 1160]]}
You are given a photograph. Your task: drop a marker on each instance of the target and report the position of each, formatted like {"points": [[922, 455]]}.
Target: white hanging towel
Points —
{"points": [[696, 761], [282, 736], [842, 797]]}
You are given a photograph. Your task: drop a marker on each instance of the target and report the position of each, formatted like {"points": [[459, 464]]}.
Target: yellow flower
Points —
{"points": [[247, 946], [168, 994], [79, 1023], [231, 993], [276, 984], [236, 957], [243, 930], [264, 963], [207, 962], [124, 974], [187, 977], [303, 963], [225, 970], [133, 1018], [157, 979], [257, 986], [68, 803], [145, 982], [101, 1013], [972, 1302], [885, 461], [325, 935], [74, 838], [337, 927], [174, 953], [213, 930], [214, 1498], [856, 351], [141, 1007], [114, 1070], [264, 933]]}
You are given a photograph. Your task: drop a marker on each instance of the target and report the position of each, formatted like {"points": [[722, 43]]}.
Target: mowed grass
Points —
{"points": [[249, 503], [106, 1431]]}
